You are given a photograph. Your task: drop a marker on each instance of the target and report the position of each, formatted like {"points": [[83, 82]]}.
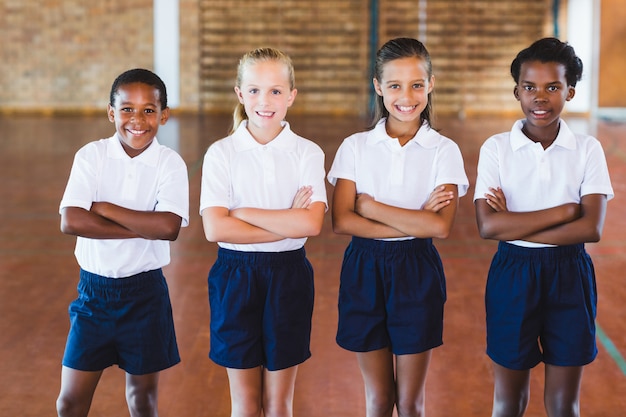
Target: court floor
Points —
{"points": [[38, 276]]}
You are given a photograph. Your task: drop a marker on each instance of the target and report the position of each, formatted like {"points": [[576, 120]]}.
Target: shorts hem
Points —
{"points": [[513, 366], [276, 367], [130, 371]]}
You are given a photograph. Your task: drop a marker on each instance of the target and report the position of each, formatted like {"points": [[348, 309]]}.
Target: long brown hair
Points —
{"points": [[396, 49]]}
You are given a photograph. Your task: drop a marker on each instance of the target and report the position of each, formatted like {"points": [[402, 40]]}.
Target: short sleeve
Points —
{"points": [[344, 165], [216, 181]]}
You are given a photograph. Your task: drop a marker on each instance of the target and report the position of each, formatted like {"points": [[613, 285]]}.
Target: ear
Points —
{"points": [[239, 94], [571, 93], [165, 115], [292, 97], [516, 92], [431, 83], [377, 88], [111, 113]]}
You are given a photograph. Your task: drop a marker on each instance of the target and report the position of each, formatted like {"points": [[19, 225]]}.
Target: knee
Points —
{"points": [[380, 404], [142, 404], [67, 407], [411, 407], [562, 408], [247, 409], [510, 407]]}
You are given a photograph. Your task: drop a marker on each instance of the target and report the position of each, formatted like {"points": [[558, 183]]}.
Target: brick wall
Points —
{"points": [[327, 41], [61, 56]]}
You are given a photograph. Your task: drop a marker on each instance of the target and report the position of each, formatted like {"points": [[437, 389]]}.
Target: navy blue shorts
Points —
{"points": [[123, 321], [261, 309], [541, 306], [392, 295]]}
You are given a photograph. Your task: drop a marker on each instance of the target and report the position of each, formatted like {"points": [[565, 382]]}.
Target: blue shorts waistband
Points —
{"points": [[547, 253], [133, 282], [390, 246], [260, 258]]}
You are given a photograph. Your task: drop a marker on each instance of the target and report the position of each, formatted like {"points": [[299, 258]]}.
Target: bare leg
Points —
{"points": [[77, 389], [278, 390], [511, 392], [562, 390], [141, 394], [378, 376], [246, 391], [410, 383]]}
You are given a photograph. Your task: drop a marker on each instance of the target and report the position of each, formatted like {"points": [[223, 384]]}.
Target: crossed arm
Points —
{"points": [[255, 225], [566, 224], [361, 215], [109, 221]]}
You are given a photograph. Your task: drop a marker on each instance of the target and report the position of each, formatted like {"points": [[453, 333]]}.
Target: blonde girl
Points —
{"points": [[262, 195]]}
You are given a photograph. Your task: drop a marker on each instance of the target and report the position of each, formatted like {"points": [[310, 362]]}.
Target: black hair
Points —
{"points": [[550, 50], [395, 49], [139, 75]]}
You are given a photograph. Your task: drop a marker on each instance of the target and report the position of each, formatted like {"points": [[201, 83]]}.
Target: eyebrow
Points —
{"points": [[412, 81]]}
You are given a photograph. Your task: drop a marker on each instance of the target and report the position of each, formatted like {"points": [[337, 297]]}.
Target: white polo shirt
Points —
{"points": [[533, 178], [240, 172], [400, 176], [155, 180]]}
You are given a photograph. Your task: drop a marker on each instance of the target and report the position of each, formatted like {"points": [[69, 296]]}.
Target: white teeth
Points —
{"points": [[540, 112], [136, 132], [265, 113], [406, 108]]}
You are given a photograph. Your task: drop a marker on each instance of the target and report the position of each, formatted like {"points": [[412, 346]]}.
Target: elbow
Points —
{"points": [[210, 235], [486, 233], [339, 227], [314, 230], [441, 229], [172, 235], [67, 228], [595, 235]]}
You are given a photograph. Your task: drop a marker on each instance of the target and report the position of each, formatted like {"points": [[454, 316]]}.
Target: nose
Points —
{"points": [[541, 95], [137, 116]]}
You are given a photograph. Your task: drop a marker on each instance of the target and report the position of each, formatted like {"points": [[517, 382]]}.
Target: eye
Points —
{"points": [[149, 111], [528, 88], [253, 91], [418, 85], [276, 92], [553, 88], [126, 110], [394, 86]]}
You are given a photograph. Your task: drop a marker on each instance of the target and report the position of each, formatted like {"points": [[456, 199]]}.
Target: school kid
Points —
{"points": [[126, 198], [541, 191], [262, 195], [396, 187]]}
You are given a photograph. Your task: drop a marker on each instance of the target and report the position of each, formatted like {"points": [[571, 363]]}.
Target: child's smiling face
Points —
{"points": [[137, 115], [542, 90]]}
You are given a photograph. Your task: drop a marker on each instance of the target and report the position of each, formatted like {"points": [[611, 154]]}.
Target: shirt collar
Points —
{"points": [[150, 156], [425, 136], [244, 141], [564, 139]]}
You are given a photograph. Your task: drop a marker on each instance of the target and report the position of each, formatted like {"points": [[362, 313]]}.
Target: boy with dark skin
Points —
{"points": [[127, 196]]}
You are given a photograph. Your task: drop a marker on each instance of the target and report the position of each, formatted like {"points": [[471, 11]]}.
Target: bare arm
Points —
{"points": [[254, 225], [586, 228], [80, 222], [347, 222], [154, 225], [422, 223], [496, 222], [220, 226]]}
